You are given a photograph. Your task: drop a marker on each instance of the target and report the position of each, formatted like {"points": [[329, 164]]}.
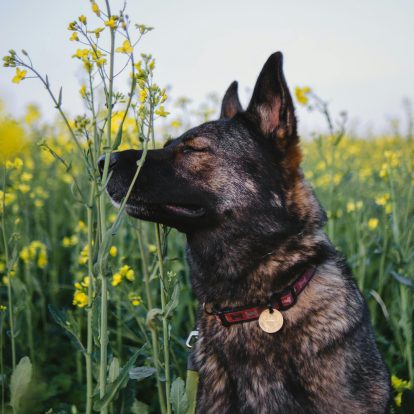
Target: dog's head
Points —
{"points": [[244, 167]]}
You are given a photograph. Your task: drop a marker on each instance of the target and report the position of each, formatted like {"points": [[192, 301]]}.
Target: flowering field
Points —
{"points": [[95, 307]]}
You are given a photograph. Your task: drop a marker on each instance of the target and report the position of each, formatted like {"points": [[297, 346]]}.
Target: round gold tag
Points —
{"points": [[271, 322]]}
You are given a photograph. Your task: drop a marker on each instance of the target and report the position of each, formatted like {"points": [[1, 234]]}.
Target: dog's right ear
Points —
{"points": [[271, 107], [231, 104]]}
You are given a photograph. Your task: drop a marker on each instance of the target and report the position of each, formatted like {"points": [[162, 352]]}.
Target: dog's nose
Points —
{"points": [[112, 161]]}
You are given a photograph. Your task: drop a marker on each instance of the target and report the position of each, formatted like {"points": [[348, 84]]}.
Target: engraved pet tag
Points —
{"points": [[271, 322]]}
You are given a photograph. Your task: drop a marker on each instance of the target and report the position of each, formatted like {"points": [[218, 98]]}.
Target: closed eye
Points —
{"points": [[189, 149]]}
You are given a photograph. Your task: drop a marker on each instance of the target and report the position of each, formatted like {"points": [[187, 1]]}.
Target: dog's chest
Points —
{"points": [[259, 367]]}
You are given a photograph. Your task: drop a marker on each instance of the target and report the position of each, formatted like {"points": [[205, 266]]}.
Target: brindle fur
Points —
{"points": [[260, 227]]}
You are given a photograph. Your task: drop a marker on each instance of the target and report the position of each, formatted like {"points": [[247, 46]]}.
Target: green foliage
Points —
{"points": [[19, 384]]}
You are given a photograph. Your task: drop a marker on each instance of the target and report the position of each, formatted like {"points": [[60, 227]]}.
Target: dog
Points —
{"points": [[283, 327]]}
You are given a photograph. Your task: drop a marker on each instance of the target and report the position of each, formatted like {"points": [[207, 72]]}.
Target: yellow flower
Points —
{"points": [[134, 299], [372, 223], [23, 188], [399, 386], [161, 111], [384, 170], [85, 282], [80, 299], [72, 25], [163, 96], [12, 141], [152, 248], [19, 76], [176, 123], [130, 275], [95, 9], [113, 251], [382, 200], [66, 178], [3, 308], [26, 176], [143, 94], [116, 279], [32, 114], [82, 19], [125, 48], [97, 31], [74, 37], [70, 241], [35, 248], [84, 255], [81, 54], [81, 227], [350, 206], [302, 94], [111, 22], [25, 255], [39, 203], [388, 208], [353, 206], [42, 259], [82, 91], [16, 164]]}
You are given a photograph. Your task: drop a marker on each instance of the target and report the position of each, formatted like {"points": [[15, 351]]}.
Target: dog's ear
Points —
{"points": [[271, 107], [231, 104]]}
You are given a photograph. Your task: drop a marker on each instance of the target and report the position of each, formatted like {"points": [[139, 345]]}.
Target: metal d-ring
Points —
{"points": [[193, 334]]}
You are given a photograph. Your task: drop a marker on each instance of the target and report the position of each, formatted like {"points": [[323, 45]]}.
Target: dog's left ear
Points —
{"points": [[271, 107], [231, 104]]}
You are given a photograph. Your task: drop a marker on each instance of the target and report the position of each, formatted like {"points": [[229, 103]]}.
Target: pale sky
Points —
{"points": [[356, 54]]}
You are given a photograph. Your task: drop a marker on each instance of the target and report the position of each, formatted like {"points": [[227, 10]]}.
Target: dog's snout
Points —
{"points": [[112, 161]]}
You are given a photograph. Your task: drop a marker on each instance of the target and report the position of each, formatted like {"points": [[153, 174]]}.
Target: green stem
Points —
{"points": [[29, 311], [154, 338], [164, 319], [89, 340], [1, 361], [103, 338], [104, 282], [162, 293], [9, 277]]}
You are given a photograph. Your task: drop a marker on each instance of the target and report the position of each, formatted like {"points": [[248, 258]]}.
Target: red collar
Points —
{"points": [[281, 301]]}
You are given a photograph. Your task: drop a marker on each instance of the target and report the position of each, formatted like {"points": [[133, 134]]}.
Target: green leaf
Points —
{"points": [[118, 138], [151, 315], [104, 248], [173, 303], [138, 407], [191, 386], [402, 279], [96, 320], [179, 398], [61, 319], [140, 373], [113, 370], [114, 387], [19, 383]]}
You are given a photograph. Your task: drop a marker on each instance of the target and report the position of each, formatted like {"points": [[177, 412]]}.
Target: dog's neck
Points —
{"points": [[235, 270]]}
